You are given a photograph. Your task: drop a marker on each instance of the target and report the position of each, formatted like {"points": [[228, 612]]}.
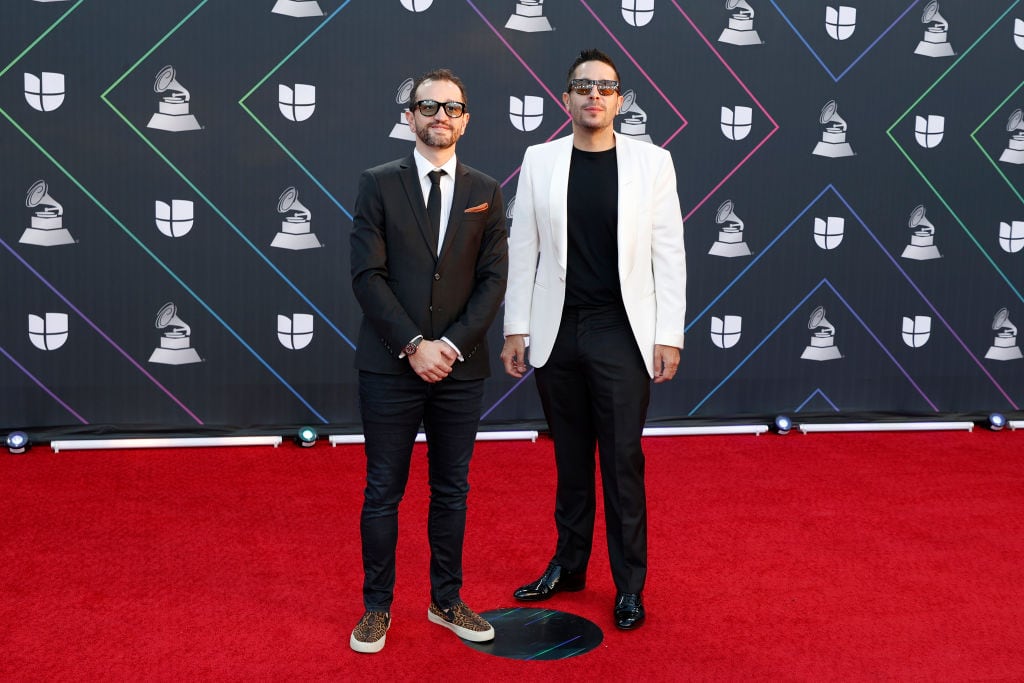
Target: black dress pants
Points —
{"points": [[392, 408], [595, 391]]}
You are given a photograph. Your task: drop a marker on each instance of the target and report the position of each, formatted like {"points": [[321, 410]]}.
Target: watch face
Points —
{"points": [[409, 349]]}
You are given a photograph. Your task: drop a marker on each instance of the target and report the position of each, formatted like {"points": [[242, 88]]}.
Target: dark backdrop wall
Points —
{"points": [[178, 179]]}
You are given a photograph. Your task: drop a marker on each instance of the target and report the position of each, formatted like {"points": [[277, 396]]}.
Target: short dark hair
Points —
{"points": [[591, 55], [437, 75]]}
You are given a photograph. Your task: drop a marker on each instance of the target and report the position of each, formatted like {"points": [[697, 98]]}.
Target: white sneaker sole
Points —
{"points": [[367, 648], [464, 633]]}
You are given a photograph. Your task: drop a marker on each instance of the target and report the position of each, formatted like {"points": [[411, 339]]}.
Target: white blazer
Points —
{"points": [[652, 261]]}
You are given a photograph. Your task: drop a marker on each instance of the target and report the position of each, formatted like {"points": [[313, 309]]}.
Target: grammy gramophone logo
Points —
{"points": [[635, 122], [1004, 346], [529, 17], [740, 30], [401, 130], [176, 342], [296, 232], [46, 228], [922, 239], [298, 8], [174, 114], [1014, 152], [935, 42], [833, 142], [730, 233], [823, 338]]}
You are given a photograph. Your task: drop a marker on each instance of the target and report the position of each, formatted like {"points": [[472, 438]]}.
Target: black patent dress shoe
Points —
{"points": [[556, 579], [629, 610]]}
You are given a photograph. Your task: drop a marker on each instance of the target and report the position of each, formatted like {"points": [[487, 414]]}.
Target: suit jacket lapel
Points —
{"points": [[414, 193], [557, 200], [460, 202], [628, 206]]}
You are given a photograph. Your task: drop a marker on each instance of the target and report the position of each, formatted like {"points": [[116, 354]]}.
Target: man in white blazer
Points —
{"points": [[596, 291]]}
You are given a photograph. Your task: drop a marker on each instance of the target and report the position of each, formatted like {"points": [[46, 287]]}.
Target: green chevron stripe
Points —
{"points": [[925, 178]]}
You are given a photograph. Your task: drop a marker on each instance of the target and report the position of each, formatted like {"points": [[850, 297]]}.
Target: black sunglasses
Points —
{"points": [[582, 86], [454, 110]]}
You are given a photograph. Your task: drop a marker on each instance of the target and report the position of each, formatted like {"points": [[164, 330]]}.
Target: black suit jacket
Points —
{"points": [[406, 290]]}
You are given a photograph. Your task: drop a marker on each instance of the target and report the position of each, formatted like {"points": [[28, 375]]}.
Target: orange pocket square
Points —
{"points": [[479, 208]]}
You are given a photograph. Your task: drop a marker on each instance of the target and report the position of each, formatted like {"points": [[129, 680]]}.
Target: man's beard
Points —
{"points": [[442, 138], [580, 119]]}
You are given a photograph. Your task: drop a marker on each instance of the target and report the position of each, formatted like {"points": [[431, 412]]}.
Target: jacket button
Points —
{"points": [[437, 276]]}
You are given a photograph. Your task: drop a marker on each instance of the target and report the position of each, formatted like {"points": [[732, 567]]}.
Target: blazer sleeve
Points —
{"points": [[668, 257], [523, 251], [369, 262]]}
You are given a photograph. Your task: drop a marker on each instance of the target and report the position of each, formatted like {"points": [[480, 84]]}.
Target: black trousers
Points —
{"points": [[392, 408], [595, 391]]}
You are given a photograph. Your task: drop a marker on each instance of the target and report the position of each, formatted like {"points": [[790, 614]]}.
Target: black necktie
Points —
{"points": [[434, 202]]}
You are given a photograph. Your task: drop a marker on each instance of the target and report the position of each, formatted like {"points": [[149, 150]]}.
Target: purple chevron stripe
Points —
{"points": [[100, 332], [55, 397]]}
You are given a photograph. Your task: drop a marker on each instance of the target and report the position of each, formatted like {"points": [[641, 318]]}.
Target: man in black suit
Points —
{"points": [[429, 264]]}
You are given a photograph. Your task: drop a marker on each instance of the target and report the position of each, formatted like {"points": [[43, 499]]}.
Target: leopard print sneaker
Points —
{"points": [[368, 635], [463, 621]]}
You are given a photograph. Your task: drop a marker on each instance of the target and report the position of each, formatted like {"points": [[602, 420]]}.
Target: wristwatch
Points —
{"points": [[410, 348]]}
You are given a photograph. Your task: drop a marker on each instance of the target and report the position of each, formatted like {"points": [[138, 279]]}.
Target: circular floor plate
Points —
{"points": [[531, 633]]}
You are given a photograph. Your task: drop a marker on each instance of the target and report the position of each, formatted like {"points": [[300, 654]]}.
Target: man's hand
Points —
{"points": [[433, 360], [666, 362], [513, 355]]}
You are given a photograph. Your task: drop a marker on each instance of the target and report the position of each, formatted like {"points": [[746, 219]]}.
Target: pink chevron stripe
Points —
{"points": [[639, 68], [749, 94]]}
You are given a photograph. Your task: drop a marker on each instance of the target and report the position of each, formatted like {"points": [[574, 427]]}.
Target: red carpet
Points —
{"points": [[804, 557]]}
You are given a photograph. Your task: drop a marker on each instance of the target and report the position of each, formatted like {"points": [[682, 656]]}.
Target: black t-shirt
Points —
{"points": [[592, 272]]}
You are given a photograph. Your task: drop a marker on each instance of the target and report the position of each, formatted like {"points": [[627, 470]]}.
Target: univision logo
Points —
{"points": [[48, 332], [46, 91], [526, 114], [298, 102], [726, 331], [295, 332], [417, 5], [928, 131], [1011, 236], [917, 330], [638, 12], [829, 232], [176, 218], [737, 122], [840, 22]]}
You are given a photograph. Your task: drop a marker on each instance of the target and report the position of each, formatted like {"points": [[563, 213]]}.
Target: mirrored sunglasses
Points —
{"points": [[582, 86]]}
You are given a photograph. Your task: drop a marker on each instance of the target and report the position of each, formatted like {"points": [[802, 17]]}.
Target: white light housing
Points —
{"points": [[186, 442]]}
